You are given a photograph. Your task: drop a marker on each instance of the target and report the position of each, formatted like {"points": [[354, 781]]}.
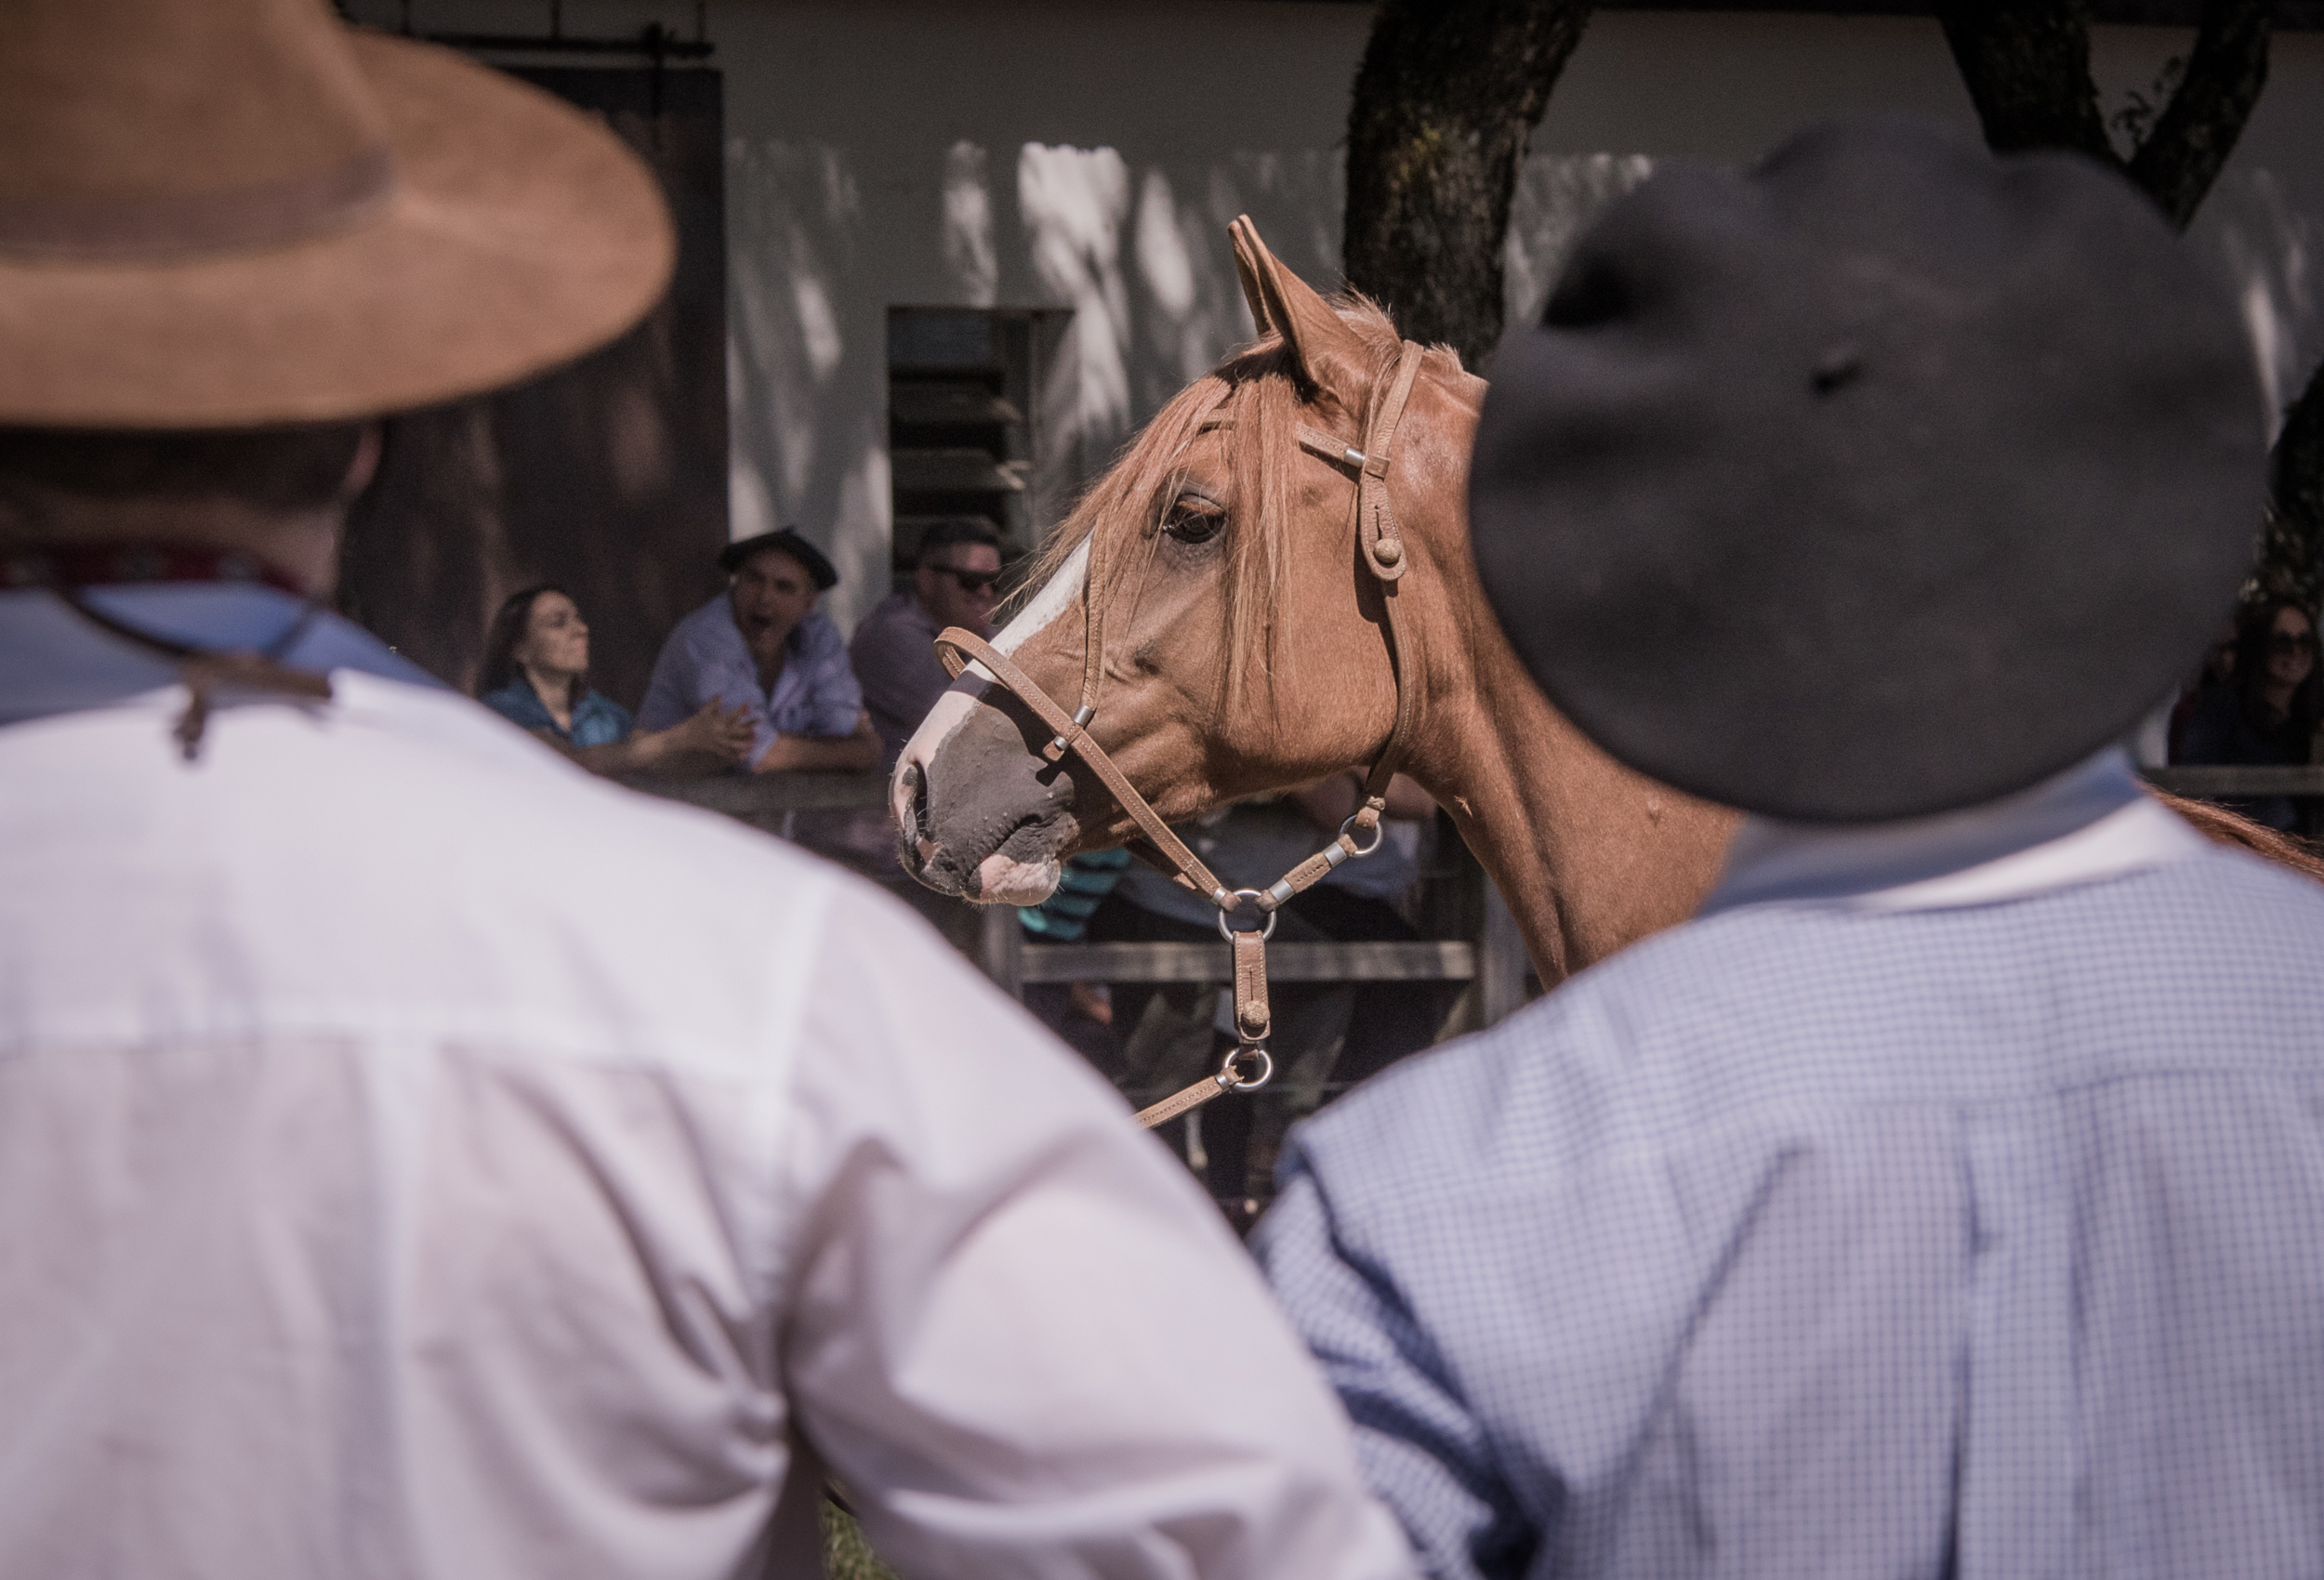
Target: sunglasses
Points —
{"points": [[970, 581], [2285, 643]]}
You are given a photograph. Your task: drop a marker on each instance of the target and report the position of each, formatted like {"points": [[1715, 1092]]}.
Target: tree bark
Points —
{"points": [[2027, 66], [2291, 555], [2182, 157], [1445, 103]]}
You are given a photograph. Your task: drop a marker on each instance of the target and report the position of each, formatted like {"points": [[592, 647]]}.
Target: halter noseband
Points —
{"points": [[1385, 555]]}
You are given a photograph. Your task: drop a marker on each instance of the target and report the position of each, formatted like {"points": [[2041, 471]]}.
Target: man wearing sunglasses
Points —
{"points": [[895, 653]]}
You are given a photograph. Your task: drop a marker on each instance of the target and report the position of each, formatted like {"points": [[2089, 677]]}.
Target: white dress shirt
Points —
{"points": [[419, 1158]]}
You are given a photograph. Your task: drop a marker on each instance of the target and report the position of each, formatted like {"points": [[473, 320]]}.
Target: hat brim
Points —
{"points": [[521, 233]]}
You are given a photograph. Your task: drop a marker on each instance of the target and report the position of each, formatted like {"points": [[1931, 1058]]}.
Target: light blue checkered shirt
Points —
{"points": [[1916, 1224]]}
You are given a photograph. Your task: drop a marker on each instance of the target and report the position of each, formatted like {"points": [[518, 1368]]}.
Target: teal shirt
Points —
{"points": [[597, 721]]}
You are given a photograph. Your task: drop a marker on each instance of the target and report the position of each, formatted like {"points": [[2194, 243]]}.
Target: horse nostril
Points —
{"points": [[904, 797], [911, 806]]}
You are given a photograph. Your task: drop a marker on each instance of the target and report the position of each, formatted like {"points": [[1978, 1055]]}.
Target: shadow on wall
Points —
{"points": [[1155, 307], [607, 477], [2265, 247], [2258, 239], [1557, 197], [805, 363], [1137, 254]]}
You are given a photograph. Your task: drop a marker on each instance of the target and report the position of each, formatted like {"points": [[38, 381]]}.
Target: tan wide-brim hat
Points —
{"points": [[243, 213]]}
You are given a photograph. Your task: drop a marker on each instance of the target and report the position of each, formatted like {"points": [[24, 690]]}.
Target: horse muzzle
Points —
{"points": [[980, 814]]}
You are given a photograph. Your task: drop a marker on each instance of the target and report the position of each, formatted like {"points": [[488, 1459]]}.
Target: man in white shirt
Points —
{"points": [[417, 1157]]}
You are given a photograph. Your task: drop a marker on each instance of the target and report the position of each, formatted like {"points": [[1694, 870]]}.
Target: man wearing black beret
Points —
{"points": [[762, 646], [1949, 1197]]}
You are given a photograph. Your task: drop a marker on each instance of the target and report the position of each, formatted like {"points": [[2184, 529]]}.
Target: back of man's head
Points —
{"points": [[270, 471], [276, 493]]}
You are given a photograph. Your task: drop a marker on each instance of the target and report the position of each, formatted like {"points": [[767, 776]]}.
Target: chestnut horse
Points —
{"points": [[1224, 534], [1242, 652]]}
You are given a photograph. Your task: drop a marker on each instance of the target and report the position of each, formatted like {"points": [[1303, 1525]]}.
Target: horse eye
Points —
{"points": [[1193, 520]]}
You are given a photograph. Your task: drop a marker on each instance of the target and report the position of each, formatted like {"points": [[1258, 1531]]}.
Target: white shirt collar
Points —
{"points": [[2092, 822]]}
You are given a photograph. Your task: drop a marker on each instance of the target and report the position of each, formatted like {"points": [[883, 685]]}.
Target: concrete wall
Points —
{"points": [[1048, 152]]}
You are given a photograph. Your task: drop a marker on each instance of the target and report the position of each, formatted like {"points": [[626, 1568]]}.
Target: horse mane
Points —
{"points": [[2224, 827], [1256, 388]]}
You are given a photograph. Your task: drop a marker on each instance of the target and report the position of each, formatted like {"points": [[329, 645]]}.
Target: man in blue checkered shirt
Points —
{"points": [[1947, 1199]]}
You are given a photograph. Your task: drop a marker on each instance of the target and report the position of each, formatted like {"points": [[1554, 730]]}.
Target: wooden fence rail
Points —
{"points": [[1495, 960]]}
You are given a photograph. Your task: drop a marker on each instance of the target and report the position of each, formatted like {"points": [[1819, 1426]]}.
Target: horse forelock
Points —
{"points": [[1258, 388]]}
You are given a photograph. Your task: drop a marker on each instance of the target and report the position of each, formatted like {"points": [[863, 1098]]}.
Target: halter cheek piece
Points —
{"points": [[1360, 835]]}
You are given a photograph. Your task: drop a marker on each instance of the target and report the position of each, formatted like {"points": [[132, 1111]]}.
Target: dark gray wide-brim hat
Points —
{"points": [[1881, 479], [789, 541]]}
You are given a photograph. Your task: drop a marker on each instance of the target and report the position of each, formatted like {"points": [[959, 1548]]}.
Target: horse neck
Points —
{"points": [[1590, 855]]}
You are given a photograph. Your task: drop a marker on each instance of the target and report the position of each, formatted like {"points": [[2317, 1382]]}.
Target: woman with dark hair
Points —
{"points": [[536, 675], [2267, 710]]}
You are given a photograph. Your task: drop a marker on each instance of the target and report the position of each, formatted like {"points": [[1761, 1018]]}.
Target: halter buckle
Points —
{"points": [[1081, 722]]}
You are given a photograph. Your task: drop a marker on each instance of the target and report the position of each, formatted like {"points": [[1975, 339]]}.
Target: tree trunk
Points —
{"points": [[1446, 101], [2192, 137], [2027, 66], [2292, 556]]}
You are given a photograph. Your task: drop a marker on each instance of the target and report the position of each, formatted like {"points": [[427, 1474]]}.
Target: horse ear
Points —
{"points": [[1245, 235], [1328, 354]]}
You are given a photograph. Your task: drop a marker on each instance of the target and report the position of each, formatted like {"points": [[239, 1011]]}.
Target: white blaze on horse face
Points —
{"points": [[1054, 598], [953, 708]]}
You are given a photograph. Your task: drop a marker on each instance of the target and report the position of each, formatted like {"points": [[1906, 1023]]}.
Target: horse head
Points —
{"points": [[1216, 574]]}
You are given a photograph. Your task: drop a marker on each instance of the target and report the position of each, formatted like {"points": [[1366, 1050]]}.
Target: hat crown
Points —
{"points": [[1883, 478], [142, 127]]}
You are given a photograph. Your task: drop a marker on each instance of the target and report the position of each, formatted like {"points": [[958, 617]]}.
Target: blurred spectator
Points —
{"points": [[536, 676], [1358, 901], [2219, 667], [2267, 710], [894, 648], [1082, 1013], [761, 645], [1336, 1033], [1081, 887]]}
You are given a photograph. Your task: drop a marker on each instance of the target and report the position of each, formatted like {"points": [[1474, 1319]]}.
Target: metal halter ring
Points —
{"points": [[1378, 833], [1233, 1083], [1265, 932]]}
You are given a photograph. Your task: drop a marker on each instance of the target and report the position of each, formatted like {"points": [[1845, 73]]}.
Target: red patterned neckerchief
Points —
{"points": [[71, 567]]}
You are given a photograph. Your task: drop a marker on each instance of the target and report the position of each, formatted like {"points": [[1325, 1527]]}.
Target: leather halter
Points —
{"points": [[1384, 554]]}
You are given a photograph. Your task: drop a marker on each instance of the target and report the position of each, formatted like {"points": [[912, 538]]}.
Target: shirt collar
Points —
{"points": [[2090, 822], [53, 662]]}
